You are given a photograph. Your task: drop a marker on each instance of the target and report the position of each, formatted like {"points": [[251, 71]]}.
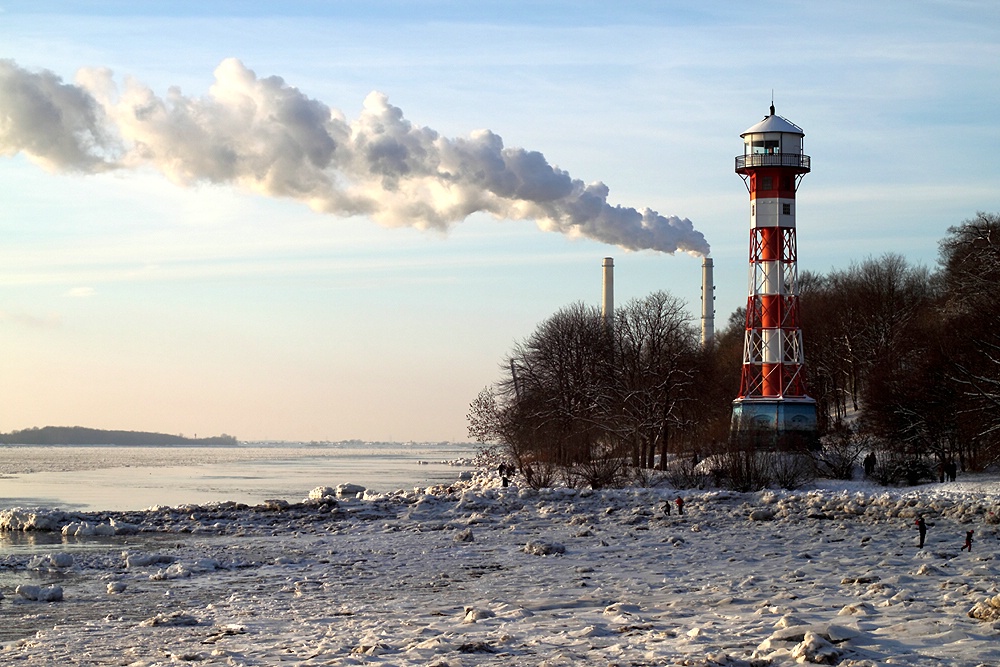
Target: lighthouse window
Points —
{"points": [[765, 183], [786, 209]]}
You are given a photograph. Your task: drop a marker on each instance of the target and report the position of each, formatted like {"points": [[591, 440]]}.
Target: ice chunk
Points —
{"points": [[87, 529], [321, 492], [18, 519], [473, 615], [172, 619], [39, 593], [349, 490], [143, 560], [987, 609], [542, 548], [816, 650], [56, 561]]}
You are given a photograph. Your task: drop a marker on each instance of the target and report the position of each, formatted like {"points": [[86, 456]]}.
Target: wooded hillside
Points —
{"points": [[78, 435]]}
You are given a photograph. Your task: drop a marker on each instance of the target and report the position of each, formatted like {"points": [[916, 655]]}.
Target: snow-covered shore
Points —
{"points": [[474, 574]]}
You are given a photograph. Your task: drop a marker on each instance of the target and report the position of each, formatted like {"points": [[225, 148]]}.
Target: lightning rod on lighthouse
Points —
{"points": [[773, 396]]}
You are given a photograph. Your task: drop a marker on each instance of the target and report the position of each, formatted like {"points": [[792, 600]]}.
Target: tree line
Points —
{"points": [[79, 435], [903, 362]]}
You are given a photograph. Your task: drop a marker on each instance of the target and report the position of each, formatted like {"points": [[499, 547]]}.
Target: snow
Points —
{"points": [[472, 573]]}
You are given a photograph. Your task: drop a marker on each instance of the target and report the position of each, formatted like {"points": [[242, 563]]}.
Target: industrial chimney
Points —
{"points": [[707, 302], [608, 293]]}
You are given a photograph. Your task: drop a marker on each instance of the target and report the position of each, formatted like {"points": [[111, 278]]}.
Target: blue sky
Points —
{"points": [[129, 301]]}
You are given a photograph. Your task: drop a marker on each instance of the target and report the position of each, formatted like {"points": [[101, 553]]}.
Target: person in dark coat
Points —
{"points": [[506, 472], [922, 528], [870, 464], [968, 541]]}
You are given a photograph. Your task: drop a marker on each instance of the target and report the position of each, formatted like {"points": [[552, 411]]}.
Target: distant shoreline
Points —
{"points": [[79, 435]]}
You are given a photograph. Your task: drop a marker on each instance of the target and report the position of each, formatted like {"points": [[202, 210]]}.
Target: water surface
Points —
{"points": [[129, 478]]}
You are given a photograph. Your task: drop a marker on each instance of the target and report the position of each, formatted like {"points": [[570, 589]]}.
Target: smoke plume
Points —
{"points": [[264, 135]]}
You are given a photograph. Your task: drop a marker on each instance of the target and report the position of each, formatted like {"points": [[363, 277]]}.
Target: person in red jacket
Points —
{"points": [[968, 541], [680, 505]]}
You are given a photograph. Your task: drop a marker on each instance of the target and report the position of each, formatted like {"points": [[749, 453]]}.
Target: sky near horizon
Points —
{"points": [[152, 281]]}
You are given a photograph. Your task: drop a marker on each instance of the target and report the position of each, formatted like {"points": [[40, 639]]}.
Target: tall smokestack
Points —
{"points": [[608, 293], [707, 302]]}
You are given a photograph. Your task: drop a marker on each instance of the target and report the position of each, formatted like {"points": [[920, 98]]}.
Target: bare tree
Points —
{"points": [[581, 400], [655, 346], [970, 261], [877, 303], [840, 452], [828, 367], [551, 409]]}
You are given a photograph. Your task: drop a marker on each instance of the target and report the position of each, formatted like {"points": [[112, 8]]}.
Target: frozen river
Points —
{"points": [[129, 478]]}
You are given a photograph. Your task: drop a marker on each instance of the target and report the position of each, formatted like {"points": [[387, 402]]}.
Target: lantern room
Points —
{"points": [[773, 142]]}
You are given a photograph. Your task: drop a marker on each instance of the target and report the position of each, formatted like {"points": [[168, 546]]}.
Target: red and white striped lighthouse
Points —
{"points": [[772, 389]]}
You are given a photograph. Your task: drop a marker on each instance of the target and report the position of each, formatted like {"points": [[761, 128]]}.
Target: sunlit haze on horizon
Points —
{"points": [[332, 221]]}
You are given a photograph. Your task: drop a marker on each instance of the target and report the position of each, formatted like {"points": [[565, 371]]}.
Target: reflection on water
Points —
{"points": [[14, 546], [17, 543], [34, 541]]}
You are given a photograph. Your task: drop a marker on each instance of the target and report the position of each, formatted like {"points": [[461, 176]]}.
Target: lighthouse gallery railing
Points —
{"points": [[772, 160]]}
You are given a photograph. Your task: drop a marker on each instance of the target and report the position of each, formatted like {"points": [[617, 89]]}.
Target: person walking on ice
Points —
{"points": [[922, 528], [968, 541]]}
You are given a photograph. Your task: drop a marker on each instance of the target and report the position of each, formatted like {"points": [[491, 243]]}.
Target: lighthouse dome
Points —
{"points": [[775, 123]]}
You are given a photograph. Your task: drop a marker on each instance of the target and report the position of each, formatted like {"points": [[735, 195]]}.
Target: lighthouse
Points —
{"points": [[773, 399]]}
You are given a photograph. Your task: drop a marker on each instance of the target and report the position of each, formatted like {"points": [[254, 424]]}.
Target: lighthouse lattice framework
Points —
{"points": [[772, 389]]}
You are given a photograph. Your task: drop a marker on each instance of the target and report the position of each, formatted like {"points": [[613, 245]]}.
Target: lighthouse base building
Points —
{"points": [[773, 402], [781, 416]]}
